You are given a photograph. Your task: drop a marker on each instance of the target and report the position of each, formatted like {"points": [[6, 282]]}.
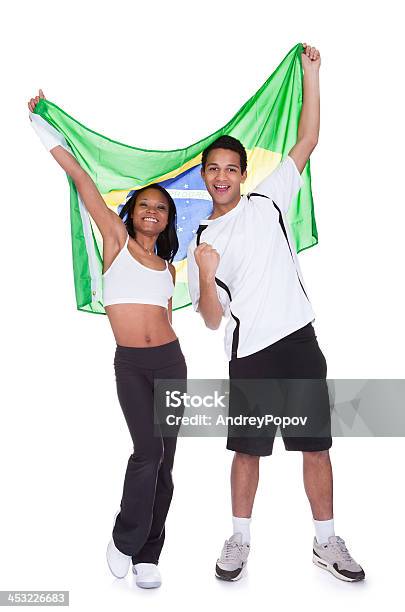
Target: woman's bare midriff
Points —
{"points": [[140, 325]]}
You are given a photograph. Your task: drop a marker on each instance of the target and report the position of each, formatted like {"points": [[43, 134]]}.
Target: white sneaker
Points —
{"points": [[334, 557], [231, 565], [147, 575], [117, 561]]}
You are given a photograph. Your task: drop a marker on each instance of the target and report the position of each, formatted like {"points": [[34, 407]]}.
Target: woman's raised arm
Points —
{"points": [[107, 221]]}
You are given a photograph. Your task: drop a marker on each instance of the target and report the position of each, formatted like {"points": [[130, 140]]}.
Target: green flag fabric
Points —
{"points": [[266, 125]]}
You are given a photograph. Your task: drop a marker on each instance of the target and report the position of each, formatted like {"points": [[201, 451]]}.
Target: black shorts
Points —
{"points": [[286, 379]]}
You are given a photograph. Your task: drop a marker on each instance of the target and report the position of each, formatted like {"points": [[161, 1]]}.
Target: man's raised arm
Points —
{"points": [[308, 128]]}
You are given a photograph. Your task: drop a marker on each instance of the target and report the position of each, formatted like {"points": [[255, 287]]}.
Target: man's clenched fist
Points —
{"points": [[207, 259]]}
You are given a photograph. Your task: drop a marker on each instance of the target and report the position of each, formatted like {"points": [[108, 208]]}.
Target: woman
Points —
{"points": [[138, 284]]}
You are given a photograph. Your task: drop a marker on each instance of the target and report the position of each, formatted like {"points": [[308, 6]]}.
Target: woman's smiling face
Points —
{"points": [[151, 212]]}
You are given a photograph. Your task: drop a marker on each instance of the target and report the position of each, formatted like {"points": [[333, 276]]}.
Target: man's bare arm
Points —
{"points": [[209, 306], [308, 128]]}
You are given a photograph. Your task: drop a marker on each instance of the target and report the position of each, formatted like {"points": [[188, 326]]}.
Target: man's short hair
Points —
{"points": [[227, 142]]}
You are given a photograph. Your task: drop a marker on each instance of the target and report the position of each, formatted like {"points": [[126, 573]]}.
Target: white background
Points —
{"points": [[163, 75]]}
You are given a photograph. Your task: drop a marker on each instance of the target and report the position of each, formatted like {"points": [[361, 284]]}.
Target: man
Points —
{"points": [[243, 264]]}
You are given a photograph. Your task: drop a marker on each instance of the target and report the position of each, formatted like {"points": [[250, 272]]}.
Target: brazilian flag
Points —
{"points": [[267, 126]]}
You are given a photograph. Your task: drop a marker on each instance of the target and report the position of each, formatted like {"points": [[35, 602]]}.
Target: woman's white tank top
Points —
{"points": [[127, 281]]}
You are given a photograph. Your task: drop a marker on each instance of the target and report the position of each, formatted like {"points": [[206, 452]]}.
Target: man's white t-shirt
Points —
{"points": [[259, 280]]}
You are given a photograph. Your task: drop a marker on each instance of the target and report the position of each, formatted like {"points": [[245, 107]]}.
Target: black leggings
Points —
{"points": [[139, 528]]}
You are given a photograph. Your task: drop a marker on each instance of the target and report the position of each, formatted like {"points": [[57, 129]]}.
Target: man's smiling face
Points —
{"points": [[222, 176]]}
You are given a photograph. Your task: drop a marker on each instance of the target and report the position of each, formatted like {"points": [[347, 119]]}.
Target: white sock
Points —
{"points": [[323, 530], [242, 525]]}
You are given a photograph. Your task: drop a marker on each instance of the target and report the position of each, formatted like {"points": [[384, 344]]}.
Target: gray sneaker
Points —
{"points": [[335, 558], [232, 562]]}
